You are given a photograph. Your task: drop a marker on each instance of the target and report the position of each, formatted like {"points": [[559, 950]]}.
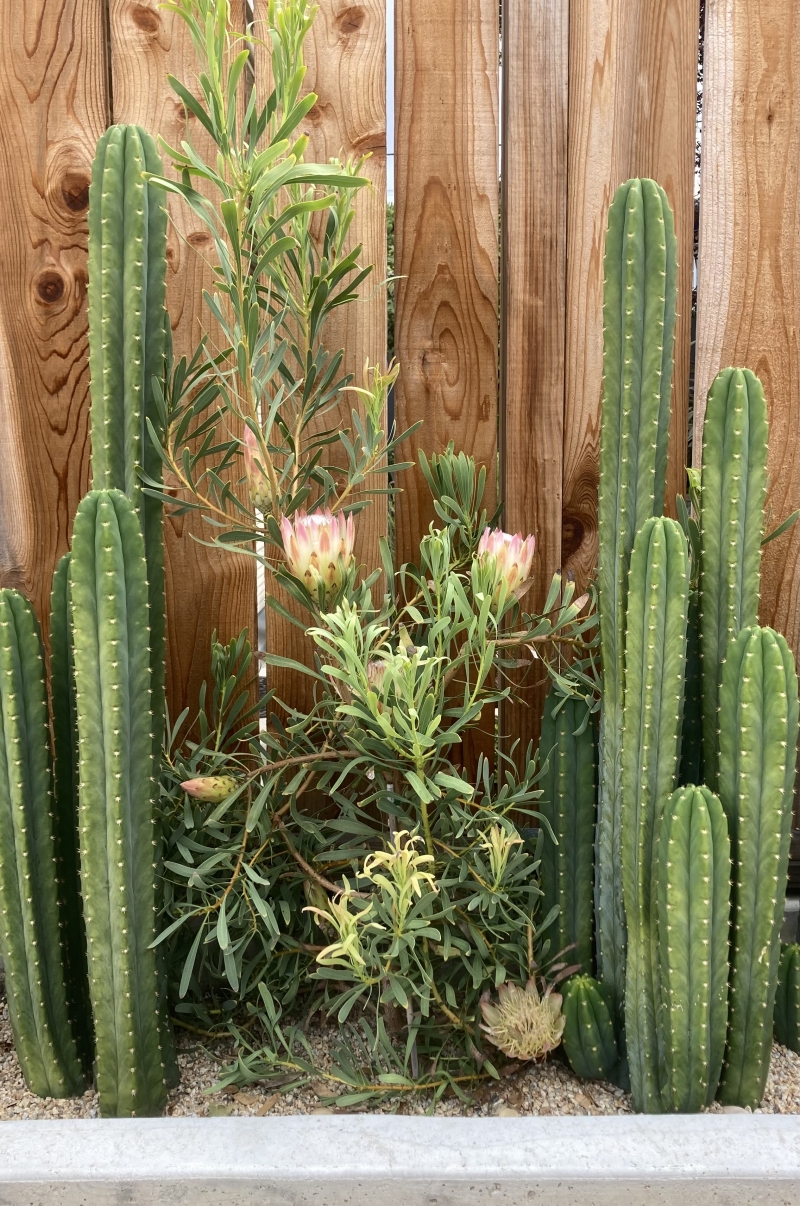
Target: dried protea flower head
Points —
{"points": [[523, 1024], [254, 470], [512, 555], [319, 548], [211, 789]]}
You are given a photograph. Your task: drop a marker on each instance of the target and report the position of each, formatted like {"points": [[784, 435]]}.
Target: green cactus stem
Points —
{"points": [[692, 885], [65, 814], [117, 785], [691, 768], [30, 938], [589, 1039], [568, 785], [787, 998], [757, 752], [732, 493], [639, 300], [655, 652], [126, 296]]}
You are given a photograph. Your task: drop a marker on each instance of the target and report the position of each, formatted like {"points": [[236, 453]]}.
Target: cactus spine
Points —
{"points": [[787, 998], [639, 302], [126, 295], [589, 1040], [568, 804], [29, 920], [655, 652], [757, 751], [692, 883], [65, 751], [117, 783], [732, 495]]}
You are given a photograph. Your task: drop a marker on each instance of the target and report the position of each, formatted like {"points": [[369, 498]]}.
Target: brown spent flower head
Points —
{"points": [[523, 1024]]}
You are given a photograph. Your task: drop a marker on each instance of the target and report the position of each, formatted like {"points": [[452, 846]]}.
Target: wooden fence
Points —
{"points": [[593, 91]]}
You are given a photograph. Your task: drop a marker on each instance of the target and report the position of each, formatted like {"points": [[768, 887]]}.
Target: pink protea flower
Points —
{"points": [[512, 555], [319, 548], [256, 477], [212, 789]]}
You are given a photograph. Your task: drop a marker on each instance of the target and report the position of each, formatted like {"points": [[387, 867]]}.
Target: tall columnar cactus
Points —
{"points": [[126, 295], [732, 494], [638, 337], [757, 752], [787, 998], [589, 1039], [655, 653], [568, 803], [692, 873], [65, 813], [117, 785], [29, 918], [691, 769]]}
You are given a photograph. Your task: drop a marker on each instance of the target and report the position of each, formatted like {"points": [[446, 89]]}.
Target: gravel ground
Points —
{"points": [[542, 1089]]}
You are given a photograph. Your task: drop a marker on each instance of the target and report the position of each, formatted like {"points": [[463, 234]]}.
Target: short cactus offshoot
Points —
{"points": [[691, 874], [29, 914], [757, 751], [787, 998], [639, 300], [117, 785], [589, 1040]]}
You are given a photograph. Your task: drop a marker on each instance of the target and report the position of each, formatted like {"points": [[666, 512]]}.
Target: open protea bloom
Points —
{"points": [[513, 556], [523, 1024], [319, 548], [256, 477]]}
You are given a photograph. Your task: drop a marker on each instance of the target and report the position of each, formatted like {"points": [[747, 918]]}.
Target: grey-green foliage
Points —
{"points": [[655, 654], [589, 1039], [732, 494], [691, 875], [117, 769], [787, 998], [757, 752], [65, 811], [29, 914], [568, 751], [639, 300], [127, 344]]}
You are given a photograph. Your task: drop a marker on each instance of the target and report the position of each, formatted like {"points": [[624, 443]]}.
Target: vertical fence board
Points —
{"points": [[446, 239], [748, 302], [535, 91], [207, 589], [346, 59], [633, 66], [54, 103]]}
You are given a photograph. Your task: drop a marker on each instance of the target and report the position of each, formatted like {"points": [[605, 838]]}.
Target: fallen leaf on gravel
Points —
{"points": [[246, 1099], [323, 1089], [507, 1112], [219, 1111], [268, 1104]]}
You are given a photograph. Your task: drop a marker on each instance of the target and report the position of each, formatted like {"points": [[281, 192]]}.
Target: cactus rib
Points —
{"points": [[639, 302], [758, 742], [732, 494], [568, 803], [29, 918], [692, 882], [117, 784], [655, 647]]}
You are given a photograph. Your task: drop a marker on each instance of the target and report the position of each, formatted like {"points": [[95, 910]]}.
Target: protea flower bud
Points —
{"points": [[512, 556], [254, 470], [211, 789], [524, 1025], [319, 548]]}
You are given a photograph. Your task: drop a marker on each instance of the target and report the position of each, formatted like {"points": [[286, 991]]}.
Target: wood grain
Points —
{"points": [[446, 232], [748, 297], [632, 74], [346, 68], [54, 103], [535, 95], [207, 589]]}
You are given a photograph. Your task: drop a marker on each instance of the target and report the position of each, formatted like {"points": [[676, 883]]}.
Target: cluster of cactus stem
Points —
{"points": [[77, 857], [787, 998], [697, 699]]}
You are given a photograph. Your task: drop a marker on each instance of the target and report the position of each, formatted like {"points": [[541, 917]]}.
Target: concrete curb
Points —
{"points": [[713, 1160]]}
